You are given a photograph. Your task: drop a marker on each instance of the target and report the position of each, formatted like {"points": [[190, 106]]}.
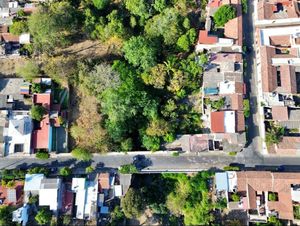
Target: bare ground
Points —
{"points": [[8, 66]]}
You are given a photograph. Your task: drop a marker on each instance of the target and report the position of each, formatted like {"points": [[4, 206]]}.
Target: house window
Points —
{"points": [[19, 147], [278, 77]]}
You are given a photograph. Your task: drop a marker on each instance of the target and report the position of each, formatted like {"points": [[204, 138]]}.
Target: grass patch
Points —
{"points": [[175, 154]]}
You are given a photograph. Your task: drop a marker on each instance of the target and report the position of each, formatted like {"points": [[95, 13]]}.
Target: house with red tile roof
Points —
{"points": [[233, 31], [261, 194]]}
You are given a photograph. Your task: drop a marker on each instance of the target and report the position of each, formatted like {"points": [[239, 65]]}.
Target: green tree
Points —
{"points": [[41, 154], [65, 171], [246, 104], [43, 216], [21, 13], [151, 143], [187, 40], [37, 112], [127, 145], [67, 220], [36, 170], [33, 199], [128, 169], [157, 76], [18, 27], [6, 215], [224, 14], [167, 25], [82, 154], [235, 197], [101, 4], [274, 134], [89, 169], [29, 70], [158, 127], [138, 7], [61, 20], [101, 77], [117, 216], [132, 203], [159, 5], [140, 52], [111, 26]]}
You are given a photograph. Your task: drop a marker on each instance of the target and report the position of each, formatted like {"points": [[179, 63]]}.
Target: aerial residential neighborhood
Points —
{"points": [[149, 112]]}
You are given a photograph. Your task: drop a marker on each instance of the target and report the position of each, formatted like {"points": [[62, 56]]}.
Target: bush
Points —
{"points": [[272, 196], [128, 169], [235, 197], [274, 134], [67, 220], [42, 155], [246, 104], [36, 170], [89, 169], [175, 154], [28, 71], [65, 171], [43, 216], [224, 14], [37, 112], [232, 153], [231, 168], [297, 212], [33, 199], [245, 6], [82, 154]]}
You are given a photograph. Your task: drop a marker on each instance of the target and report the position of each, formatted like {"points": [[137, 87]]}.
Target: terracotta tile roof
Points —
{"points": [[288, 79], [7, 37], [280, 40], [3, 29], [236, 101], [226, 57], [40, 137], [269, 80], [280, 113], [103, 180], [234, 28], [240, 122], [43, 98], [217, 122], [239, 87], [288, 145], [269, 10], [205, 38], [261, 181], [4, 194]]}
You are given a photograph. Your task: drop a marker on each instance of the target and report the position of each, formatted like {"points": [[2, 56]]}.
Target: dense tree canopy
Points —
{"points": [[140, 52], [82, 154], [18, 27], [51, 25], [166, 25], [37, 112], [43, 216], [138, 7]]}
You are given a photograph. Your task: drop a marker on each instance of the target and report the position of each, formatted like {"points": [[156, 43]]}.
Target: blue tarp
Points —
{"points": [[222, 181], [211, 91]]}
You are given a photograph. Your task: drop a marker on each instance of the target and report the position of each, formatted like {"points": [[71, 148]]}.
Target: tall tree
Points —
{"points": [[132, 203], [140, 52], [138, 7]]}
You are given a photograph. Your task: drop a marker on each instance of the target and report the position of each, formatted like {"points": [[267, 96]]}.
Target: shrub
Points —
{"points": [[235, 197], [82, 154], [42, 155], [231, 168], [274, 134], [246, 104], [36, 170], [245, 6], [175, 154], [224, 14], [272, 196], [297, 212], [65, 171], [37, 112], [33, 199], [43, 216], [232, 153], [89, 169], [11, 184], [128, 169]]}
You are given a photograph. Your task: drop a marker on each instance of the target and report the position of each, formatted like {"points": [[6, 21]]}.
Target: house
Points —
{"points": [[233, 31], [32, 185], [277, 13], [21, 215], [12, 196], [227, 122], [17, 135], [50, 193], [86, 198]]}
